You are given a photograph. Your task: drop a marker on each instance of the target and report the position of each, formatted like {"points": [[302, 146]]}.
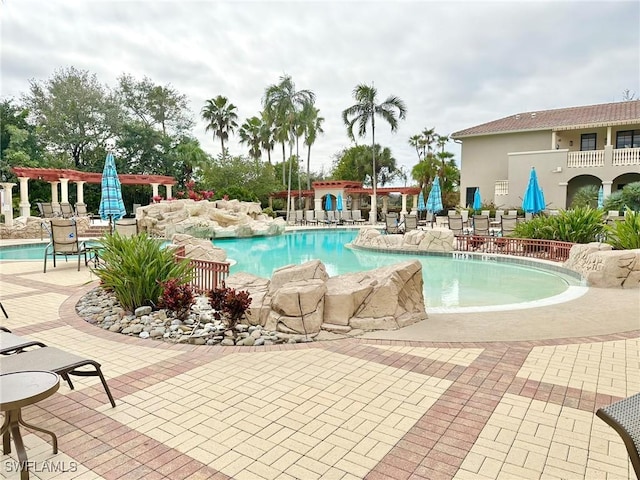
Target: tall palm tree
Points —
{"points": [[250, 135], [364, 112], [285, 102], [312, 122], [267, 135], [441, 141], [221, 117]]}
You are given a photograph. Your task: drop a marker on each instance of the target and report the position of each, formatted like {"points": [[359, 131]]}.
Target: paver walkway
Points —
{"points": [[377, 408]]}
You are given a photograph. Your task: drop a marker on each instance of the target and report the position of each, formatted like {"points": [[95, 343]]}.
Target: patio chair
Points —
{"points": [[508, 224], [81, 210], [299, 217], [331, 218], [410, 223], [512, 213], [624, 417], [126, 227], [64, 241], [391, 224], [53, 359], [321, 217], [67, 211], [357, 216], [456, 225], [57, 209], [46, 210], [310, 218], [347, 217], [481, 225], [10, 343]]}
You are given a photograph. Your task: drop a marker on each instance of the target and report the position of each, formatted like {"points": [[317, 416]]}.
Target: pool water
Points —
{"points": [[449, 284]]}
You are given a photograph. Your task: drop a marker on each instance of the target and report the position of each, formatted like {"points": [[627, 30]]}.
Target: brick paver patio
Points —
{"points": [[371, 408]]}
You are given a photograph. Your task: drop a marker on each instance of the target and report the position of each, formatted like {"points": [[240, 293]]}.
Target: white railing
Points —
{"points": [[502, 187], [590, 158], [626, 156]]}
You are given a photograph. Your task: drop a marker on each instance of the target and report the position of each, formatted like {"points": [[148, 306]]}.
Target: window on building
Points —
{"points": [[587, 141], [628, 139]]}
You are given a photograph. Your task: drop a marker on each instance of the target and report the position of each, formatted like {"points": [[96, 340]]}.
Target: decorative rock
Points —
{"points": [[604, 267], [227, 342], [144, 335], [140, 311]]}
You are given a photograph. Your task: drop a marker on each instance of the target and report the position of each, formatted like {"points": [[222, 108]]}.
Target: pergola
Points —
{"points": [[62, 177]]}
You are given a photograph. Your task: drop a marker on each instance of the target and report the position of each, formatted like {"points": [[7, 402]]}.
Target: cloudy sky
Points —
{"points": [[455, 64]]}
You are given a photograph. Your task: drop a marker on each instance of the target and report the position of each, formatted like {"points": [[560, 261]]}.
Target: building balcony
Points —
{"points": [[616, 157]]}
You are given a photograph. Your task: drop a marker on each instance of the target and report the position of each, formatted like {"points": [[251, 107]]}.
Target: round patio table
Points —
{"points": [[17, 390]]}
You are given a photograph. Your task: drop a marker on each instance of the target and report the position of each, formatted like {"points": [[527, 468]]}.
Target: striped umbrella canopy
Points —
{"points": [[601, 197], [477, 201], [111, 204], [434, 200], [421, 205], [533, 201]]}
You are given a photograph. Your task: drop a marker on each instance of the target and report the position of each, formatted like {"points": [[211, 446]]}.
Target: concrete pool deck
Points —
{"points": [[508, 394]]}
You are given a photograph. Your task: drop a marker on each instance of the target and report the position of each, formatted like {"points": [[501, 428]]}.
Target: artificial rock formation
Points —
{"points": [[602, 266], [431, 240], [303, 299], [199, 249], [36, 227], [204, 219]]}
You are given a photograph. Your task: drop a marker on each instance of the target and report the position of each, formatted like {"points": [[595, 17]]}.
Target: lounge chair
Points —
{"points": [[10, 343], [508, 224], [456, 225], [391, 224], [310, 218], [126, 227], [81, 210], [299, 217], [624, 417], [46, 210], [347, 217], [53, 359], [67, 211], [64, 241], [57, 209], [481, 225], [357, 216], [321, 217], [410, 223], [331, 218]]}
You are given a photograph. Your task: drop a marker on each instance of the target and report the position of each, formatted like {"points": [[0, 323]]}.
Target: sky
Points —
{"points": [[455, 64]]}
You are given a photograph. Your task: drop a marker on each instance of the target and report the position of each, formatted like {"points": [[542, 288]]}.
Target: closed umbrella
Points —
{"points": [[328, 204], [600, 197], [434, 200], [339, 205], [111, 204], [422, 207], [477, 201], [533, 201]]}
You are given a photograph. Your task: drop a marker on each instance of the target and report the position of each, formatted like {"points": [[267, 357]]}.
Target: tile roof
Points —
{"points": [[560, 119]]}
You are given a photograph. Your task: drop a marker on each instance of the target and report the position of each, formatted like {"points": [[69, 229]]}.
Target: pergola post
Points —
{"points": [[7, 207], [80, 192], [64, 190], [25, 206], [54, 194], [154, 188], [414, 207], [385, 204], [403, 212], [169, 194]]}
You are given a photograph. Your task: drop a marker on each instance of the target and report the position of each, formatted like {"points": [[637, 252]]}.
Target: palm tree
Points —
{"points": [[221, 117], [267, 135], [285, 102], [365, 111], [250, 135], [312, 122], [441, 141]]}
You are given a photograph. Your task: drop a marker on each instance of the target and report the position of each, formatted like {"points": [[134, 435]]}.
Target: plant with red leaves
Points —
{"points": [[177, 297]]}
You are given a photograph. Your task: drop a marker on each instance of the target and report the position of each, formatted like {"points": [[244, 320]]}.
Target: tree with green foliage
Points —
{"points": [[628, 197], [73, 113], [221, 117], [586, 196], [312, 124], [355, 164], [267, 135], [285, 103], [364, 113], [250, 135]]}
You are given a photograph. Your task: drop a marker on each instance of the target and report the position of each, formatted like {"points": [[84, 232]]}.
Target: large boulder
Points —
{"points": [[602, 266], [303, 299], [199, 249], [430, 240]]}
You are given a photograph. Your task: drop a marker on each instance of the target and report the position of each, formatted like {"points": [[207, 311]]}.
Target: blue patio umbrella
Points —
{"points": [[533, 201], [434, 200], [600, 197], [111, 204], [328, 204], [477, 201], [422, 207], [339, 204]]}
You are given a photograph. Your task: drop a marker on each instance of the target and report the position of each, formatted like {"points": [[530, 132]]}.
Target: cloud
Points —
{"points": [[455, 64]]}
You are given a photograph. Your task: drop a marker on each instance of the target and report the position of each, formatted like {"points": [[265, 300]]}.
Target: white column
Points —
{"points": [[385, 204], [606, 188], [554, 140], [292, 207], [25, 206], [80, 192], [317, 204], [64, 190], [154, 187], [608, 136], [169, 194], [403, 212], [54, 193], [414, 207], [7, 207], [373, 214]]}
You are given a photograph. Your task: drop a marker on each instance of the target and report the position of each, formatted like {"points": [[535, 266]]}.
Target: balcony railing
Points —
{"points": [[502, 187], [626, 156], [589, 158]]}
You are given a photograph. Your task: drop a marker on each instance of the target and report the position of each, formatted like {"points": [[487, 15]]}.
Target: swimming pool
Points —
{"points": [[450, 284]]}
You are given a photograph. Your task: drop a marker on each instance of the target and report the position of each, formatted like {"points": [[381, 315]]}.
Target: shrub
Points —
{"points": [[628, 197], [229, 305], [135, 268], [580, 225], [176, 297], [586, 196], [269, 211], [625, 234]]}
